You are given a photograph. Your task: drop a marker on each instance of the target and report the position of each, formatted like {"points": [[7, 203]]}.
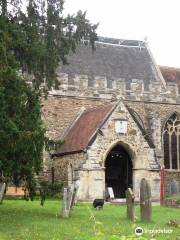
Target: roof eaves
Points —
{"points": [[60, 154]]}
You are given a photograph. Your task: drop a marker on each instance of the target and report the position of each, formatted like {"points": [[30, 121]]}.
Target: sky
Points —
{"points": [[158, 20]]}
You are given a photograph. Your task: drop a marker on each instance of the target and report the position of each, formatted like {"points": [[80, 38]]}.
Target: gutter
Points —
{"points": [[65, 153]]}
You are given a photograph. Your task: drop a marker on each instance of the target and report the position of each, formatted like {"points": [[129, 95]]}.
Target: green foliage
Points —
{"points": [[32, 43], [49, 189], [39, 38], [21, 129]]}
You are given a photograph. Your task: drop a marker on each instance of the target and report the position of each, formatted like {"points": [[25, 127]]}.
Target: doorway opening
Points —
{"points": [[118, 173]]}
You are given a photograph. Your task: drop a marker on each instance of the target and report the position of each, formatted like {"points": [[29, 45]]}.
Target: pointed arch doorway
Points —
{"points": [[118, 171]]}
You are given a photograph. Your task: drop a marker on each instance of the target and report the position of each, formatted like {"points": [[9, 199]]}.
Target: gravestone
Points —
{"points": [[74, 197], [174, 188], [130, 204], [69, 196], [145, 201], [2, 191], [65, 212]]}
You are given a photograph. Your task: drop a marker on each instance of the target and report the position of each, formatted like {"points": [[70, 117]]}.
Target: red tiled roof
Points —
{"points": [[171, 74], [83, 129]]}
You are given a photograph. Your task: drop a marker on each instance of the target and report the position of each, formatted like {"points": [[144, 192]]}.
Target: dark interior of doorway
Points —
{"points": [[118, 173]]}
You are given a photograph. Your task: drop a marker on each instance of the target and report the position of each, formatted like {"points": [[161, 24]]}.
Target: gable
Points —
{"points": [[83, 129]]}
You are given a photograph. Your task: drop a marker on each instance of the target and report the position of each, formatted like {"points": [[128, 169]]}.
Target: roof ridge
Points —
{"points": [[120, 41], [169, 67], [98, 107], [106, 117]]}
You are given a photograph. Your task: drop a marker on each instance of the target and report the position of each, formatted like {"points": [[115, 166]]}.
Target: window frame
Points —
{"points": [[170, 127]]}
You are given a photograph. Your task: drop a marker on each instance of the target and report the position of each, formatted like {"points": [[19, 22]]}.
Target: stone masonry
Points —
{"points": [[152, 100]]}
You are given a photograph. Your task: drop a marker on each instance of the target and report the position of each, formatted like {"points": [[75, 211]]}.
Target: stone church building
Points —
{"points": [[117, 114]]}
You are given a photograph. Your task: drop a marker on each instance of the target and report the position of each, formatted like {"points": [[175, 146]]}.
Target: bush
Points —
{"points": [[50, 189]]}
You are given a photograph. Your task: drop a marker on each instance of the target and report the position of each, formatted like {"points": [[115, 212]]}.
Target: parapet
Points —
{"points": [[103, 87]]}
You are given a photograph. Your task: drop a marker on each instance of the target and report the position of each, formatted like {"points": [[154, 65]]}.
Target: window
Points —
{"points": [[171, 142]]}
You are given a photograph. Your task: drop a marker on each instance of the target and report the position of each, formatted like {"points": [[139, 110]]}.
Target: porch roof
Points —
{"points": [[84, 129]]}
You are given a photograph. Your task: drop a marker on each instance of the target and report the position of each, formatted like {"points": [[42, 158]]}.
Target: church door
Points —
{"points": [[118, 173]]}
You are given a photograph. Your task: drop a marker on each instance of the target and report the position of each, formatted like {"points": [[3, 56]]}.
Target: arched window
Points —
{"points": [[171, 142]]}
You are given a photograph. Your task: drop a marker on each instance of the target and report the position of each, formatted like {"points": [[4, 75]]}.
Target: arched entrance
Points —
{"points": [[118, 173]]}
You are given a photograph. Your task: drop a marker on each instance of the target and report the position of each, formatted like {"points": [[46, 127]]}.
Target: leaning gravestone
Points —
{"points": [[69, 196], [74, 197], [130, 204], [2, 191], [173, 188], [145, 201]]}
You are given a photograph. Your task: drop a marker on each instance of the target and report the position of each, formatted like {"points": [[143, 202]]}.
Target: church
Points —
{"points": [[118, 115]]}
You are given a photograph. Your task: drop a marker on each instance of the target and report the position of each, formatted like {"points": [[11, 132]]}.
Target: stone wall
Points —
{"points": [[59, 111], [154, 105], [142, 155], [89, 167], [63, 164], [102, 87], [154, 116]]}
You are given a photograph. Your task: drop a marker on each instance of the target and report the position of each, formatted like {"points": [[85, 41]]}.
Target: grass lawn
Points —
{"points": [[28, 220]]}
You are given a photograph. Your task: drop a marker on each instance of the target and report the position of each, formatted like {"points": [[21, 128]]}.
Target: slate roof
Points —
{"points": [[171, 74], [84, 129], [127, 60]]}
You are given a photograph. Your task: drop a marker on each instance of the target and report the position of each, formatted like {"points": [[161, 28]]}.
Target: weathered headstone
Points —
{"points": [[69, 196], [65, 212], [2, 191], [74, 197], [130, 204], [173, 188], [145, 201]]}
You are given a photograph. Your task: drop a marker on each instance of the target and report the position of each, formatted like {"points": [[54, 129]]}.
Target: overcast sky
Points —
{"points": [[158, 20]]}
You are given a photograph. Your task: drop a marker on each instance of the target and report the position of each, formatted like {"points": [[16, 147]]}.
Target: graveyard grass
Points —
{"points": [[29, 221]]}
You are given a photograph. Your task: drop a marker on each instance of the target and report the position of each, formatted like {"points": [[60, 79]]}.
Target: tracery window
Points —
{"points": [[171, 142]]}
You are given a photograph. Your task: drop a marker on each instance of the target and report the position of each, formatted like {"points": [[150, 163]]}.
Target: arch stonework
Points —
{"points": [[126, 146], [93, 174], [118, 170], [171, 127]]}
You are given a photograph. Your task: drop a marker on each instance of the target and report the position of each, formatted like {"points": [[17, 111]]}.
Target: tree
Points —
{"points": [[32, 43], [43, 37], [21, 129]]}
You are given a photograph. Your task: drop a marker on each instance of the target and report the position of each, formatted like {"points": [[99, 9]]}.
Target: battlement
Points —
{"points": [[102, 87]]}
